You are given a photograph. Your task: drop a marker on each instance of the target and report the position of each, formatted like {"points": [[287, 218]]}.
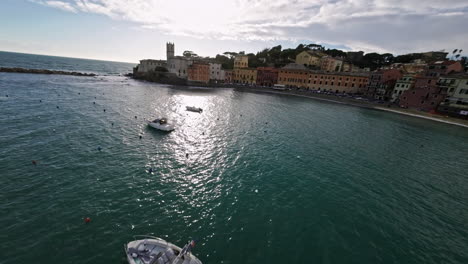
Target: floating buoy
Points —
{"points": [[40, 101], [112, 123], [104, 110], [99, 148], [203, 133], [7, 95], [87, 220], [141, 137], [150, 170], [266, 122], [94, 102], [218, 118], [53, 130], [34, 162], [186, 155], [135, 117], [58, 107], [264, 131]]}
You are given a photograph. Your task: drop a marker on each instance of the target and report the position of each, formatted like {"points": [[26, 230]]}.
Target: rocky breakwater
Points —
{"points": [[42, 71]]}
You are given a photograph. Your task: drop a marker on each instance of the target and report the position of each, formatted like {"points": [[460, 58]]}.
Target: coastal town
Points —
{"points": [[428, 82]]}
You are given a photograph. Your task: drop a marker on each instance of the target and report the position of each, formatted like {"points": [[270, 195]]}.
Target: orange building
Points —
{"points": [[293, 75], [199, 72], [340, 82]]}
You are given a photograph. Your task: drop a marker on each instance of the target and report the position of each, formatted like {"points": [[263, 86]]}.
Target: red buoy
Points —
{"points": [[87, 220]]}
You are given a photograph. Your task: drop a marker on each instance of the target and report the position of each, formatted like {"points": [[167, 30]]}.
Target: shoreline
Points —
{"points": [[44, 71], [330, 99], [367, 105]]}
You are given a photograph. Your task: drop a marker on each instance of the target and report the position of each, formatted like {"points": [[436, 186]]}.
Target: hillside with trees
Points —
{"points": [[278, 57]]}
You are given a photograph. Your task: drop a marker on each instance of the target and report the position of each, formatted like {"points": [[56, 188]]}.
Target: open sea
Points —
{"points": [[255, 178]]}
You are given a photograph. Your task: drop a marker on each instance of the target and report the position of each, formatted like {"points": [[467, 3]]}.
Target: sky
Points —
{"points": [[130, 30]]}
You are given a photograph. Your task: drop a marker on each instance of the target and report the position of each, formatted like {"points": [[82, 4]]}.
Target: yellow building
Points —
{"points": [[308, 58], [244, 76], [241, 61]]}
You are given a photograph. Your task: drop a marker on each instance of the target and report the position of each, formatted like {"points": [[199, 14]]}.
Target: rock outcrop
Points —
{"points": [[42, 71]]}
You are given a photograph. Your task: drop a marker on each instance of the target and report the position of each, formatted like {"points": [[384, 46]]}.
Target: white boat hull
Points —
{"points": [[157, 251], [163, 127]]}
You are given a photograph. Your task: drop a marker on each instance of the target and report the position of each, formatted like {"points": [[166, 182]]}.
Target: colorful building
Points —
{"points": [[216, 72], [427, 93], [456, 102], [241, 61], [331, 64], [267, 76], [309, 58], [403, 84], [381, 83], [343, 82], [199, 72], [293, 75], [228, 76], [244, 76]]}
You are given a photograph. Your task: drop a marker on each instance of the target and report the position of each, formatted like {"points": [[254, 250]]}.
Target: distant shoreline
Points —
{"points": [[43, 71], [363, 104]]}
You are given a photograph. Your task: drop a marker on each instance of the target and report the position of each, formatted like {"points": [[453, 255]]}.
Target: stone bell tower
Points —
{"points": [[169, 50]]}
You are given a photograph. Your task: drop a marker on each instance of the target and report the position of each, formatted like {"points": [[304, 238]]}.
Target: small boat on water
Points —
{"points": [[194, 109], [155, 250], [161, 124]]}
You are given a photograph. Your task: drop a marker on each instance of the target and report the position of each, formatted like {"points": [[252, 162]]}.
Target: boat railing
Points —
{"points": [[148, 236]]}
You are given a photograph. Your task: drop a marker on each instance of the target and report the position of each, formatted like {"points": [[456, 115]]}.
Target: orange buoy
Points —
{"points": [[87, 220]]}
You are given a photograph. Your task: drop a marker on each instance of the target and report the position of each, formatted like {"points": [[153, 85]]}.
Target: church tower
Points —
{"points": [[169, 50]]}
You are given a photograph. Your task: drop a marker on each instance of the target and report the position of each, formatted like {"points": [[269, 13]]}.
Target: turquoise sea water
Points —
{"points": [[268, 179]]}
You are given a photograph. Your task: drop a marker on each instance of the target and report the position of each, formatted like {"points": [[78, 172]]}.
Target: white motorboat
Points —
{"points": [[155, 250], [161, 124], [194, 109]]}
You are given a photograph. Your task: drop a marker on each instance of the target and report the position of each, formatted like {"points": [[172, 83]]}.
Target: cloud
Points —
{"points": [[369, 25], [58, 4]]}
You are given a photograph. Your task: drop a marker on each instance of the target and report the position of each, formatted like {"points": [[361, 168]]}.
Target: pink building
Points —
{"points": [[267, 76], [381, 83], [427, 94]]}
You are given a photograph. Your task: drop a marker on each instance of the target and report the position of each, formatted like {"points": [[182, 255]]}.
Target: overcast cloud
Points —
{"points": [[397, 26]]}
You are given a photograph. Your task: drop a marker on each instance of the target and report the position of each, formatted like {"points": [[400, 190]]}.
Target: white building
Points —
{"points": [[403, 84], [179, 66], [216, 72], [150, 65]]}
